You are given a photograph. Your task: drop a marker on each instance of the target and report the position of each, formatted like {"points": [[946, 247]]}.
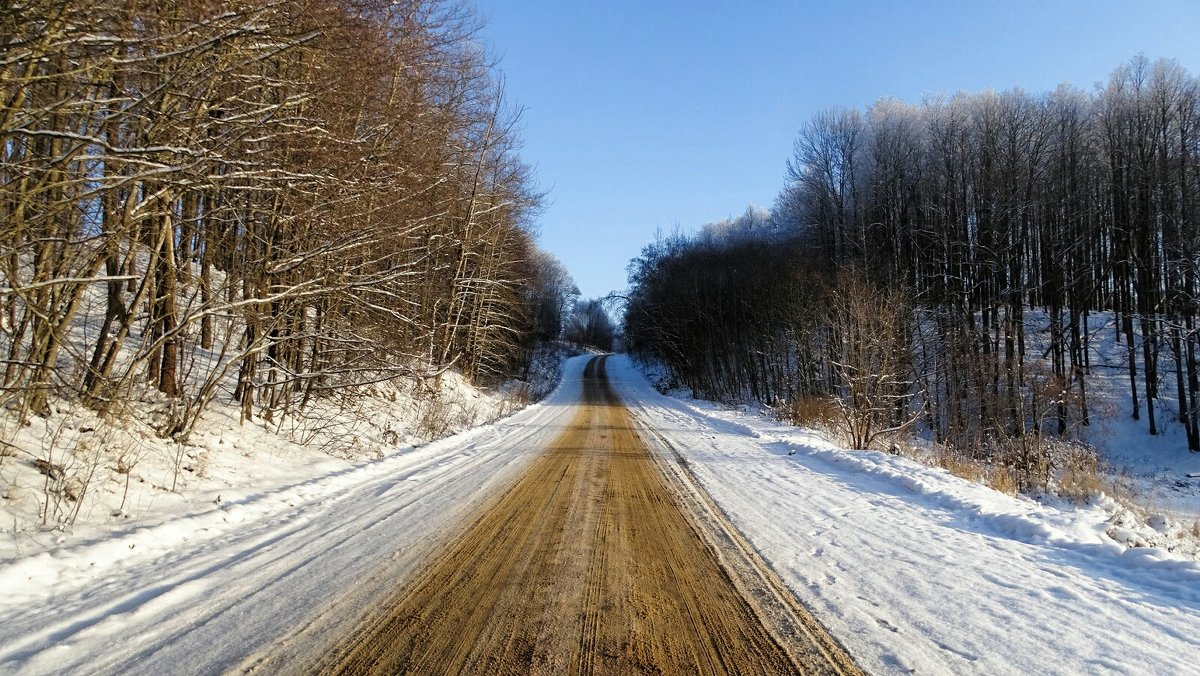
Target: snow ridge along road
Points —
{"points": [[586, 564]]}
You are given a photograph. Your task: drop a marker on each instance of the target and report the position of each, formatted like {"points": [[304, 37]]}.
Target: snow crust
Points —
{"points": [[916, 570]]}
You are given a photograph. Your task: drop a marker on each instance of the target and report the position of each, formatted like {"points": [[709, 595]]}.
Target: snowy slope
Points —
{"points": [[116, 473], [1158, 471], [916, 570], [199, 593]]}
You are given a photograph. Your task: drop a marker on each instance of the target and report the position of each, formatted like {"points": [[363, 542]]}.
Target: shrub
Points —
{"points": [[1080, 478], [1002, 479]]}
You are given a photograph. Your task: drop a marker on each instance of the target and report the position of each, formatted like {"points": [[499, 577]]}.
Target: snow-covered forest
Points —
{"points": [[276, 211], [288, 382], [304, 196], [952, 267]]}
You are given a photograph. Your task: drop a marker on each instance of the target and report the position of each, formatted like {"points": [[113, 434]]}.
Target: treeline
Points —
{"points": [[727, 310], [292, 197], [968, 224]]}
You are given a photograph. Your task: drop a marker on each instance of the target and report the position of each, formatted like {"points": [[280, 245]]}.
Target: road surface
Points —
{"points": [[546, 541], [911, 568], [586, 564]]}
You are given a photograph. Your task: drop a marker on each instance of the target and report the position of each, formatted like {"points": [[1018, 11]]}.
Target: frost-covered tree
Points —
{"points": [[198, 192]]}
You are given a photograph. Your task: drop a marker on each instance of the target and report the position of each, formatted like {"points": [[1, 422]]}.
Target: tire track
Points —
{"points": [[590, 627]]}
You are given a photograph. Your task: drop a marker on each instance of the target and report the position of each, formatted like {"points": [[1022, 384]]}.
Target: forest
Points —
{"points": [[946, 266], [283, 199]]}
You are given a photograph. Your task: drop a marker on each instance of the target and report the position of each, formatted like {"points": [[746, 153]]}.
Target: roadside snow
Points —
{"points": [[202, 590], [115, 475], [913, 569]]}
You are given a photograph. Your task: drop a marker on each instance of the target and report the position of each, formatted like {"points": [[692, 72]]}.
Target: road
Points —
{"points": [[547, 541], [588, 563]]}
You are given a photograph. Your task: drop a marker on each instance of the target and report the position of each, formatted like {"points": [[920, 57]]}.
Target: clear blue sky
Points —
{"points": [[648, 114]]}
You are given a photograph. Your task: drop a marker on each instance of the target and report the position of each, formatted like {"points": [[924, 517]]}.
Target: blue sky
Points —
{"points": [[645, 115]]}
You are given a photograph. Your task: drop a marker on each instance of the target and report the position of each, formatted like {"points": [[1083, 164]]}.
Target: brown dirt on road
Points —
{"points": [[586, 564]]}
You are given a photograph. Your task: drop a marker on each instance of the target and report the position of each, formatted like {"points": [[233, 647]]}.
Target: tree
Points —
{"points": [[590, 326], [306, 197], [871, 358], [990, 213]]}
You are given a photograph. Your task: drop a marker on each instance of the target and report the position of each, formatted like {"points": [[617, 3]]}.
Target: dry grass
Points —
{"points": [[1030, 463], [1029, 458], [809, 411], [1120, 487], [434, 420], [517, 398], [1003, 479], [961, 467], [998, 477], [1080, 478]]}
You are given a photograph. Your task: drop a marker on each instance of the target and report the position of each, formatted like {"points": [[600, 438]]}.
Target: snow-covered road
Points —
{"points": [[909, 567]]}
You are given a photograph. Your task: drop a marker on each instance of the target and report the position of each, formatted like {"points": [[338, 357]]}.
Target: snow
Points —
{"points": [[211, 587], [1156, 469], [910, 567], [137, 479], [914, 569]]}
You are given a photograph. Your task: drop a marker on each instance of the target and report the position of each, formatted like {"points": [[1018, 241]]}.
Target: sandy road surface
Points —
{"points": [[586, 564]]}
